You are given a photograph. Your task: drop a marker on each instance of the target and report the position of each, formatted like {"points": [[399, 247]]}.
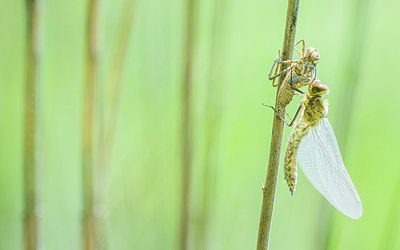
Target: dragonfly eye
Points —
{"points": [[312, 54], [315, 56], [317, 88]]}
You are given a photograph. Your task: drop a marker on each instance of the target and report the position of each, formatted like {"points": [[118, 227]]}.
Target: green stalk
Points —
{"points": [[30, 136], [91, 84], [213, 118], [108, 122], [186, 124], [277, 134], [115, 80]]}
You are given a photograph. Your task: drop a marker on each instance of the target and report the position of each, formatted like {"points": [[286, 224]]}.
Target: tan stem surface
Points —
{"points": [[277, 134]]}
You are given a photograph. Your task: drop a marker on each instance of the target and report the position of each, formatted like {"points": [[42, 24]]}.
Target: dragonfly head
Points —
{"points": [[312, 54], [317, 88]]}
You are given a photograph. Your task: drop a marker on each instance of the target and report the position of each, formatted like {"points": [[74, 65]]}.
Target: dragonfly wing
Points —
{"points": [[320, 159]]}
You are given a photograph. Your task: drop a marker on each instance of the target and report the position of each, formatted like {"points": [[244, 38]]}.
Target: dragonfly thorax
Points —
{"points": [[305, 69], [315, 109]]}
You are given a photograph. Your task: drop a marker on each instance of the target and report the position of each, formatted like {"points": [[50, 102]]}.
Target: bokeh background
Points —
{"points": [[234, 45]]}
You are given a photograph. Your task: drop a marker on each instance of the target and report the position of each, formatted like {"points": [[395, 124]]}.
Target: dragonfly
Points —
{"points": [[302, 72], [312, 143]]}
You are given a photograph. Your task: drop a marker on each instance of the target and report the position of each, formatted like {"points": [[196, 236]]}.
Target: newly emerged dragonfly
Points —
{"points": [[313, 144], [301, 72]]}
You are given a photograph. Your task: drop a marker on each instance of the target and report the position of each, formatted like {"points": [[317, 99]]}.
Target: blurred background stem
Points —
{"points": [[277, 133], [186, 152], [109, 118], [115, 80], [91, 85], [30, 138], [213, 109], [353, 46]]}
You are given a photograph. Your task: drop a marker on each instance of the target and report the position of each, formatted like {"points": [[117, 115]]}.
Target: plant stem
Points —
{"points": [[213, 108], [30, 140], [186, 124], [277, 134], [115, 79], [91, 82], [107, 122]]}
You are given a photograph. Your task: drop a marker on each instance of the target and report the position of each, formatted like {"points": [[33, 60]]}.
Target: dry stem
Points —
{"points": [[186, 125], [30, 149], [115, 79], [108, 123], [277, 134], [91, 81], [213, 119]]}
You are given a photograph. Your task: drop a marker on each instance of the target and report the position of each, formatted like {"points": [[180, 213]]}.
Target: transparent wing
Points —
{"points": [[320, 159]]}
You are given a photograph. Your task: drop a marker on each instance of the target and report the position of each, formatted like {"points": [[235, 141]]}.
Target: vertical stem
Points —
{"points": [[213, 118], [108, 122], [115, 80], [186, 125], [277, 134], [91, 82], [30, 150]]}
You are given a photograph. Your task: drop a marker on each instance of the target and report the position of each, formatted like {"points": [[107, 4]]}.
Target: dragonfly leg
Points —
{"points": [[276, 61], [298, 51], [295, 116], [278, 57], [288, 61], [298, 94], [275, 76], [304, 45], [291, 84], [277, 113], [283, 119]]}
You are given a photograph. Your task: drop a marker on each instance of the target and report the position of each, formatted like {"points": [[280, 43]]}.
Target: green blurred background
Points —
{"points": [[235, 43]]}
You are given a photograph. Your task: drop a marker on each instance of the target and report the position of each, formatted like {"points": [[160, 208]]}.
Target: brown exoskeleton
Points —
{"points": [[300, 74]]}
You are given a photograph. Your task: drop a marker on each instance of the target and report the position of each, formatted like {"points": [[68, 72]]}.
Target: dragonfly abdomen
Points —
{"points": [[290, 164]]}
